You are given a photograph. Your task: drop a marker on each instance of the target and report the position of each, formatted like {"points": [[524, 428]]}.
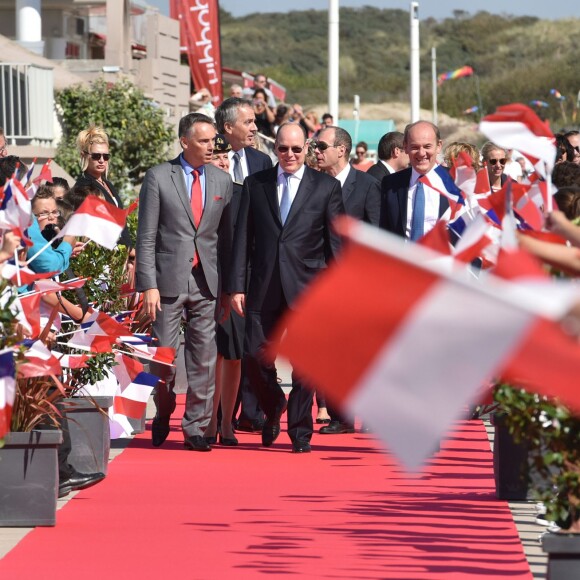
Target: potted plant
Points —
{"points": [[28, 451], [552, 434], [87, 415]]}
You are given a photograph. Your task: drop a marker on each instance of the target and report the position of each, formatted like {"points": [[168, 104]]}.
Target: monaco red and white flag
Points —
{"points": [[98, 220], [390, 337], [517, 126]]}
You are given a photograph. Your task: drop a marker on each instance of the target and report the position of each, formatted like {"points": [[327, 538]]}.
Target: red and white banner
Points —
{"points": [[200, 40]]}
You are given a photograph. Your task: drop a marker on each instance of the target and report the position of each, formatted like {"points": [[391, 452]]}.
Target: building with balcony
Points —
{"points": [[48, 45]]}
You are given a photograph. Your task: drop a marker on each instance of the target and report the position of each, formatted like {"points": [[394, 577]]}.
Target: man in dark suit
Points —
{"points": [[284, 229], [183, 240], [392, 156], [410, 208], [236, 120], [361, 195]]}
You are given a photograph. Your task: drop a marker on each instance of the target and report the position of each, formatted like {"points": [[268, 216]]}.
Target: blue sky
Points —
{"points": [[427, 8]]}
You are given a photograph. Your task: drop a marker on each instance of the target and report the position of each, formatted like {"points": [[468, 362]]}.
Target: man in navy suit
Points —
{"points": [[409, 208], [361, 194], [392, 156], [235, 118], [284, 230]]}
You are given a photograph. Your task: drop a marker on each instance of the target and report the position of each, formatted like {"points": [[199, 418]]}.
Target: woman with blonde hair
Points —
{"points": [[453, 150], [495, 158], [93, 147]]}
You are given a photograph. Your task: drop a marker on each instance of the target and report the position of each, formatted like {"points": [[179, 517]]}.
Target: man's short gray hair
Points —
{"points": [[227, 112]]}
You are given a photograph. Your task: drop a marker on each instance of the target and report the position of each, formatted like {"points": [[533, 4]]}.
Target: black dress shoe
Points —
{"points": [[211, 440], [270, 432], [159, 430], [228, 441], [336, 428], [197, 443], [78, 481], [301, 447], [249, 426]]}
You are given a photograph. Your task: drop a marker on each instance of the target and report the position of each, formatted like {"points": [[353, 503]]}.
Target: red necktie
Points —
{"points": [[196, 207]]}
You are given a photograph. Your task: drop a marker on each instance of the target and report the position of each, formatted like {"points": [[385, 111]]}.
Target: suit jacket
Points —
{"points": [[257, 161], [394, 193], [379, 171], [361, 195], [284, 258], [115, 199], [167, 237]]}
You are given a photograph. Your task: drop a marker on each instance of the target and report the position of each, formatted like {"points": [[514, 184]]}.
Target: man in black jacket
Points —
{"points": [[284, 229]]}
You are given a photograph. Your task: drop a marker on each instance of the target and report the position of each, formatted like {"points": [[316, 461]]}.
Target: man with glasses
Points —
{"points": [[284, 230], [392, 156], [361, 195], [409, 207], [574, 140]]}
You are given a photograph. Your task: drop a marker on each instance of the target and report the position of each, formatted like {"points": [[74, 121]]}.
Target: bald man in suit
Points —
{"points": [[284, 229]]}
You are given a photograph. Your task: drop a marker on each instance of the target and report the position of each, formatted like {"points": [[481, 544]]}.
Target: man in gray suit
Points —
{"points": [[183, 241]]}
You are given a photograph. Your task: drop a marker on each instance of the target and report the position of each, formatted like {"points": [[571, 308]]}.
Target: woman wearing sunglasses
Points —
{"points": [[93, 147], [494, 158]]}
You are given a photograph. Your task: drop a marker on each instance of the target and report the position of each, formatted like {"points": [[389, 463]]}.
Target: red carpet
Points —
{"points": [[344, 511]]}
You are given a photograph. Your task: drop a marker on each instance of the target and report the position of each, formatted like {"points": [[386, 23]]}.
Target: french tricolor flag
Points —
{"points": [[7, 389], [98, 220], [132, 400], [413, 343]]}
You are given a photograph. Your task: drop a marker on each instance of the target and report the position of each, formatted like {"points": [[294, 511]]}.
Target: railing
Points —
{"points": [[27, 104]]}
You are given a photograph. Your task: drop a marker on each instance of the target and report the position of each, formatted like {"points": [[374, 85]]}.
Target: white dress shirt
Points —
{"points": [[343, 174], [389, 168], [432, 201], [294, 180]]}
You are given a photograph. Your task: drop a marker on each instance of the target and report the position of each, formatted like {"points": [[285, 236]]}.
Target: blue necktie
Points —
{"points": [[418, 217], [285, 199]]}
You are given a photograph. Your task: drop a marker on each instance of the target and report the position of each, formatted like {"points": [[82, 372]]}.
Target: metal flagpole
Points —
{"points": [[333, 56], [415, 96], [434, 81]]}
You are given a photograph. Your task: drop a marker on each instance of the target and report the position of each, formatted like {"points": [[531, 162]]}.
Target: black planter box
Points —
{"points": [[563, 555], [510, 463], [29, 478]]}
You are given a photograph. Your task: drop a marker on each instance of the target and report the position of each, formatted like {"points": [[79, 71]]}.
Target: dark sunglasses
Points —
{"points": [[97, 156], [285, 149], [496, 161], [321, 145]]}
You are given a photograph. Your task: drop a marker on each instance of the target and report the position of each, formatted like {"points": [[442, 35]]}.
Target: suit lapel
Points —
{"points": [[349, 185], [301, 195], [271, 189], [209, 189], [178, 178], [403, 195]]}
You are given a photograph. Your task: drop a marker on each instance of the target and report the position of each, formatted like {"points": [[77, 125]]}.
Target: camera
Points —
{"points": [[49, 233]]}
